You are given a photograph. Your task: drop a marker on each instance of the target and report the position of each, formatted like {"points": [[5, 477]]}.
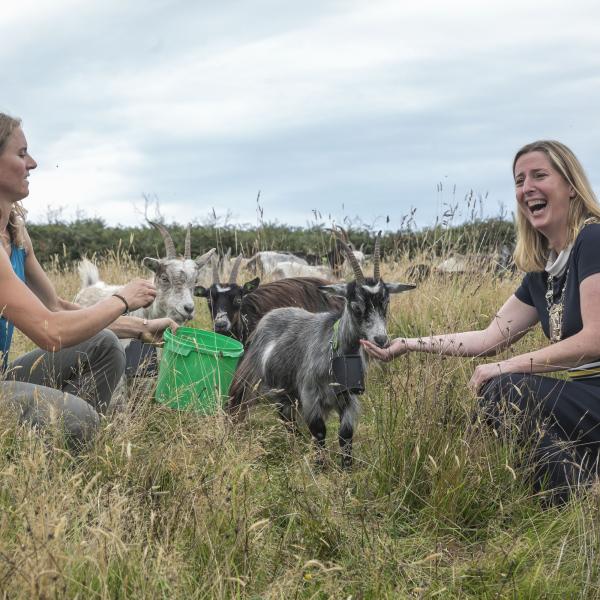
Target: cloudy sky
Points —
{"points": [[359, 110]]}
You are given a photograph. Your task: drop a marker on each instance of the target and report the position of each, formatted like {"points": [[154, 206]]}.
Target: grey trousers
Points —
{"points": [[74, 385]]}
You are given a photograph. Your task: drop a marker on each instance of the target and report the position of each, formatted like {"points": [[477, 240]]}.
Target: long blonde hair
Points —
{"points": [[16, 220], [531, 251]]}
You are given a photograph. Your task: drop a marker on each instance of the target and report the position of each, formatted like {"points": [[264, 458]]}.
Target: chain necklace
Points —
{"points": [[555, 309]]}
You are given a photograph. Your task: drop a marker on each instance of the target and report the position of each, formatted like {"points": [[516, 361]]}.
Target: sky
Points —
{"points": [[357, 112]]}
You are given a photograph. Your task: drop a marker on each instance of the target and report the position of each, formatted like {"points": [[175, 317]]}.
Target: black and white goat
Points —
{"points": [[236, 310], [290, 354], [225, 299]]}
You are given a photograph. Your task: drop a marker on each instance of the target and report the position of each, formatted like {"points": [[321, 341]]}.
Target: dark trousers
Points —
{"points": [[560, 418], [74, 384]]}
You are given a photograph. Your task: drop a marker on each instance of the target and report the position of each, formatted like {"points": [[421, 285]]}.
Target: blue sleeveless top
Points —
{"points": [[17, 260]]}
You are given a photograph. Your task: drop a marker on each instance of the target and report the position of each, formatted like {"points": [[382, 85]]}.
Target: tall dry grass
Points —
{"points": [[174, 505]]}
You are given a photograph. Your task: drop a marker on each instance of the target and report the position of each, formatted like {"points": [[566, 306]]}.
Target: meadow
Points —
{"points": [[174, 505]]}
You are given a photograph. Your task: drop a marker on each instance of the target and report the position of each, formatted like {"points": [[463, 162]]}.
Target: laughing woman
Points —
{"points": [[75, 370], [558, 246]]}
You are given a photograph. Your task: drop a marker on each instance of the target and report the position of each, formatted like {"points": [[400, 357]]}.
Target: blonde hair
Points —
{"points": [[531, 251], [16, 220]]}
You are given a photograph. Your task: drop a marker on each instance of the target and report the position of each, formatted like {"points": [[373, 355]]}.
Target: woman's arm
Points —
{"points": [[54, 330], [509, 324], [124, 327], [573, 351], [148, 330]]}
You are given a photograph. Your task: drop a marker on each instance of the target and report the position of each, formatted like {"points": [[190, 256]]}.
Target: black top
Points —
{"points": [[583, 262]]}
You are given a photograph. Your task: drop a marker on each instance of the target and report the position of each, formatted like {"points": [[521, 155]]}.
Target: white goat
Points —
{"points": [[263, 263], [174, 278], [284, 270]]}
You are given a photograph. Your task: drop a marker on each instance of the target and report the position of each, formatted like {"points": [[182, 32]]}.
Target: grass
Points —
{"points": [[174, 505]]}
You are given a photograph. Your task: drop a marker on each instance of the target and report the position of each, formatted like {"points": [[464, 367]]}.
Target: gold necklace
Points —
{"points": [[555, 309]]}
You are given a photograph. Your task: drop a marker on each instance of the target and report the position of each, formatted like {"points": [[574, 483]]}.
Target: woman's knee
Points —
{"points": [[44, 407], [107, 341], [510, 392], [108, 347]]}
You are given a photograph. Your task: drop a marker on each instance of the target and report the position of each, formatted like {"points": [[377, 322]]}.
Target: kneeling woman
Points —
{"points": [[74, 372], [558, 246]]}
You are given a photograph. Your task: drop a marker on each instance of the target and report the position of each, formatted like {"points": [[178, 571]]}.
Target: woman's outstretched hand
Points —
{"points": [[155, 328], [396, 348]]}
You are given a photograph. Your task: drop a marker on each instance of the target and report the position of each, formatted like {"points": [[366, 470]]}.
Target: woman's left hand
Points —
{"points": [[482, 374], [154, 329]]}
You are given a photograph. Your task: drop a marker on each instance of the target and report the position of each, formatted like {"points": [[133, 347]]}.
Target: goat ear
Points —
{"points": [[334, 289], [250, 286], [200, 291], [151, 263], [396, 288]]}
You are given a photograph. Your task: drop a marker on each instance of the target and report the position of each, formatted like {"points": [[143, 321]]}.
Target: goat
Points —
{"points": [[236, 310], [290, 354], [225, 299], [265, 262], [498, 263], [174, 278], [291, 269]]}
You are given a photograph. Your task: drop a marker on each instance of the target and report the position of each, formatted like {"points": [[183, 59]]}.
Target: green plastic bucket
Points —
{"points": [[196, 369]]}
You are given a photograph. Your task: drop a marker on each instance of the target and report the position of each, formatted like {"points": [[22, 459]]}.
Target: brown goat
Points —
{"points": [[301, 292]]}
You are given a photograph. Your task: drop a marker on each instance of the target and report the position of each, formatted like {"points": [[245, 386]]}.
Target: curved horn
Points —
{"points": [[235, 269], [345, 234], [215, 270], [169, 245], [376, 258], [187, 253], [358, 274]]}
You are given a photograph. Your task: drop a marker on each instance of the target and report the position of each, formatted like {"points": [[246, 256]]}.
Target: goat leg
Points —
{"points": [[317, 428], [345, 438], [348, 412], [286, 410]]}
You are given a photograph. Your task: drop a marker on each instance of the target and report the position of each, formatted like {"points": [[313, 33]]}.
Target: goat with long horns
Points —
{"points": [[175, 277], [291, 354]]}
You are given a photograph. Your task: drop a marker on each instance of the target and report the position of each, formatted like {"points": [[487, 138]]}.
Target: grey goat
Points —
{"points": [[291, 352]]}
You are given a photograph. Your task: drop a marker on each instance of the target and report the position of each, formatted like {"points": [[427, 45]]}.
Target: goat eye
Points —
{"points": [[237, 300], [164, 278], [356, 307]]}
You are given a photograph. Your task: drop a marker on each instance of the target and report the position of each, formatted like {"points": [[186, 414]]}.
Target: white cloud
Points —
{"points": [[86, 173], [320, 102]]}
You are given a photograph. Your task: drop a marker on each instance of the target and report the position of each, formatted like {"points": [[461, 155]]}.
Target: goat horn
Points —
{"points": [[358, 274], [169, 245], [187, 253], [215, 270], [376, 258], [235, 269], [345, 234]]}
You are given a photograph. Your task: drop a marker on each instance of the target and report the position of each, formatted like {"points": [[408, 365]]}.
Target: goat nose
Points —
{"points": [[189, 308], [381, 340]]}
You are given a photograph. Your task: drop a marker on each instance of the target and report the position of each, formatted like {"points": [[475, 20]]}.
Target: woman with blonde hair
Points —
{"points": [[79, 362], [558, 245]]}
